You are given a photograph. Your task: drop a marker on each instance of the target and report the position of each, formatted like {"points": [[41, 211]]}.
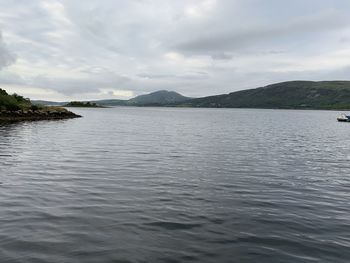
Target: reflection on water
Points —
{"points": [[176, 185]]}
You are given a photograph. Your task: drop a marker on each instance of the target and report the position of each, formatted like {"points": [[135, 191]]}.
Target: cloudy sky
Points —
{"points": [[94, 49]]}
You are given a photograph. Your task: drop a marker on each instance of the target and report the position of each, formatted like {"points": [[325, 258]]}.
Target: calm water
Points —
{"points": [[176, 185]]}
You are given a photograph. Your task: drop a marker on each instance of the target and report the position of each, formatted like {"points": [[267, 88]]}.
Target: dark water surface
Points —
{"points": [[176, 185]]}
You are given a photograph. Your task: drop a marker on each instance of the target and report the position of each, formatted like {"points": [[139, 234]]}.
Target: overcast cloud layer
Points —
{"points": [[94, 49]]}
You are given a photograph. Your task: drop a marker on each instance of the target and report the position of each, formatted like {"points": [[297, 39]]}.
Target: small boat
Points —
{"points": [[343, 118]]}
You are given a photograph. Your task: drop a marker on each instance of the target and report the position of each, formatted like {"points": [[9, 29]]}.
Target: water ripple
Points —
{"points": [[176, 185]]}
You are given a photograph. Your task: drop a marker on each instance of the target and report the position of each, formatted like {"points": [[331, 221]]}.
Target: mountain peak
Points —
{"points": [[159, 97]]}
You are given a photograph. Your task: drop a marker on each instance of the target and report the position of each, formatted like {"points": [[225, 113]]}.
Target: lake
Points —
{"points": [[176, 185]]}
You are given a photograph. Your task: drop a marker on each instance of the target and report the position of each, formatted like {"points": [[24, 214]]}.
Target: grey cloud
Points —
{"points": [[290, 31], [222, 56], [77, 49], [344, 40], [11, 78], [6, 57], [88, 84], [186, 75]]}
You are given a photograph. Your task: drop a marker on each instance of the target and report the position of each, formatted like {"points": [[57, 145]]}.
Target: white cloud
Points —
{"points": [[199, 8], [33, 92], [120, 94]]}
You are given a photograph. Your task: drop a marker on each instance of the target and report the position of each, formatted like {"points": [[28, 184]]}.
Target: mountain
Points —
{"points": [[285, 95], [161, 97]]}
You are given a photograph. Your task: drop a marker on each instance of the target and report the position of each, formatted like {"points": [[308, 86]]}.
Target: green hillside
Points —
{"points": [[285, 95]]}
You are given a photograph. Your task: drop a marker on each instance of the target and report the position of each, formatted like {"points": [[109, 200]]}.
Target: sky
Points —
{"points": [[117, 49]]}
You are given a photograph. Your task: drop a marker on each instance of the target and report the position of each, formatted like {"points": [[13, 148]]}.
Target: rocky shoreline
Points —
{"points": [[48, 113]]}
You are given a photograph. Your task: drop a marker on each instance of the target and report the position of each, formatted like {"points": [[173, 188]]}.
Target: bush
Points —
{"points": [[13, 102], [34, 107]]}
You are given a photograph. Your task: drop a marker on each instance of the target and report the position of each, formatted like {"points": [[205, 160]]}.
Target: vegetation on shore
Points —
{"points": [[17, 108], [14, 102], [83, 104]]}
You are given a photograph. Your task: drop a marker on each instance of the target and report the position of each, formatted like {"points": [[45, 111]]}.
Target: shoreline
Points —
{"points": [[37, 115]]}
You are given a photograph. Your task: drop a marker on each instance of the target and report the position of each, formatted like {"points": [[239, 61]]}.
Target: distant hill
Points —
{"points": [[48, 103], [285, 95], [110, 102], [161, 97], [80, 104], [158, 98]]}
